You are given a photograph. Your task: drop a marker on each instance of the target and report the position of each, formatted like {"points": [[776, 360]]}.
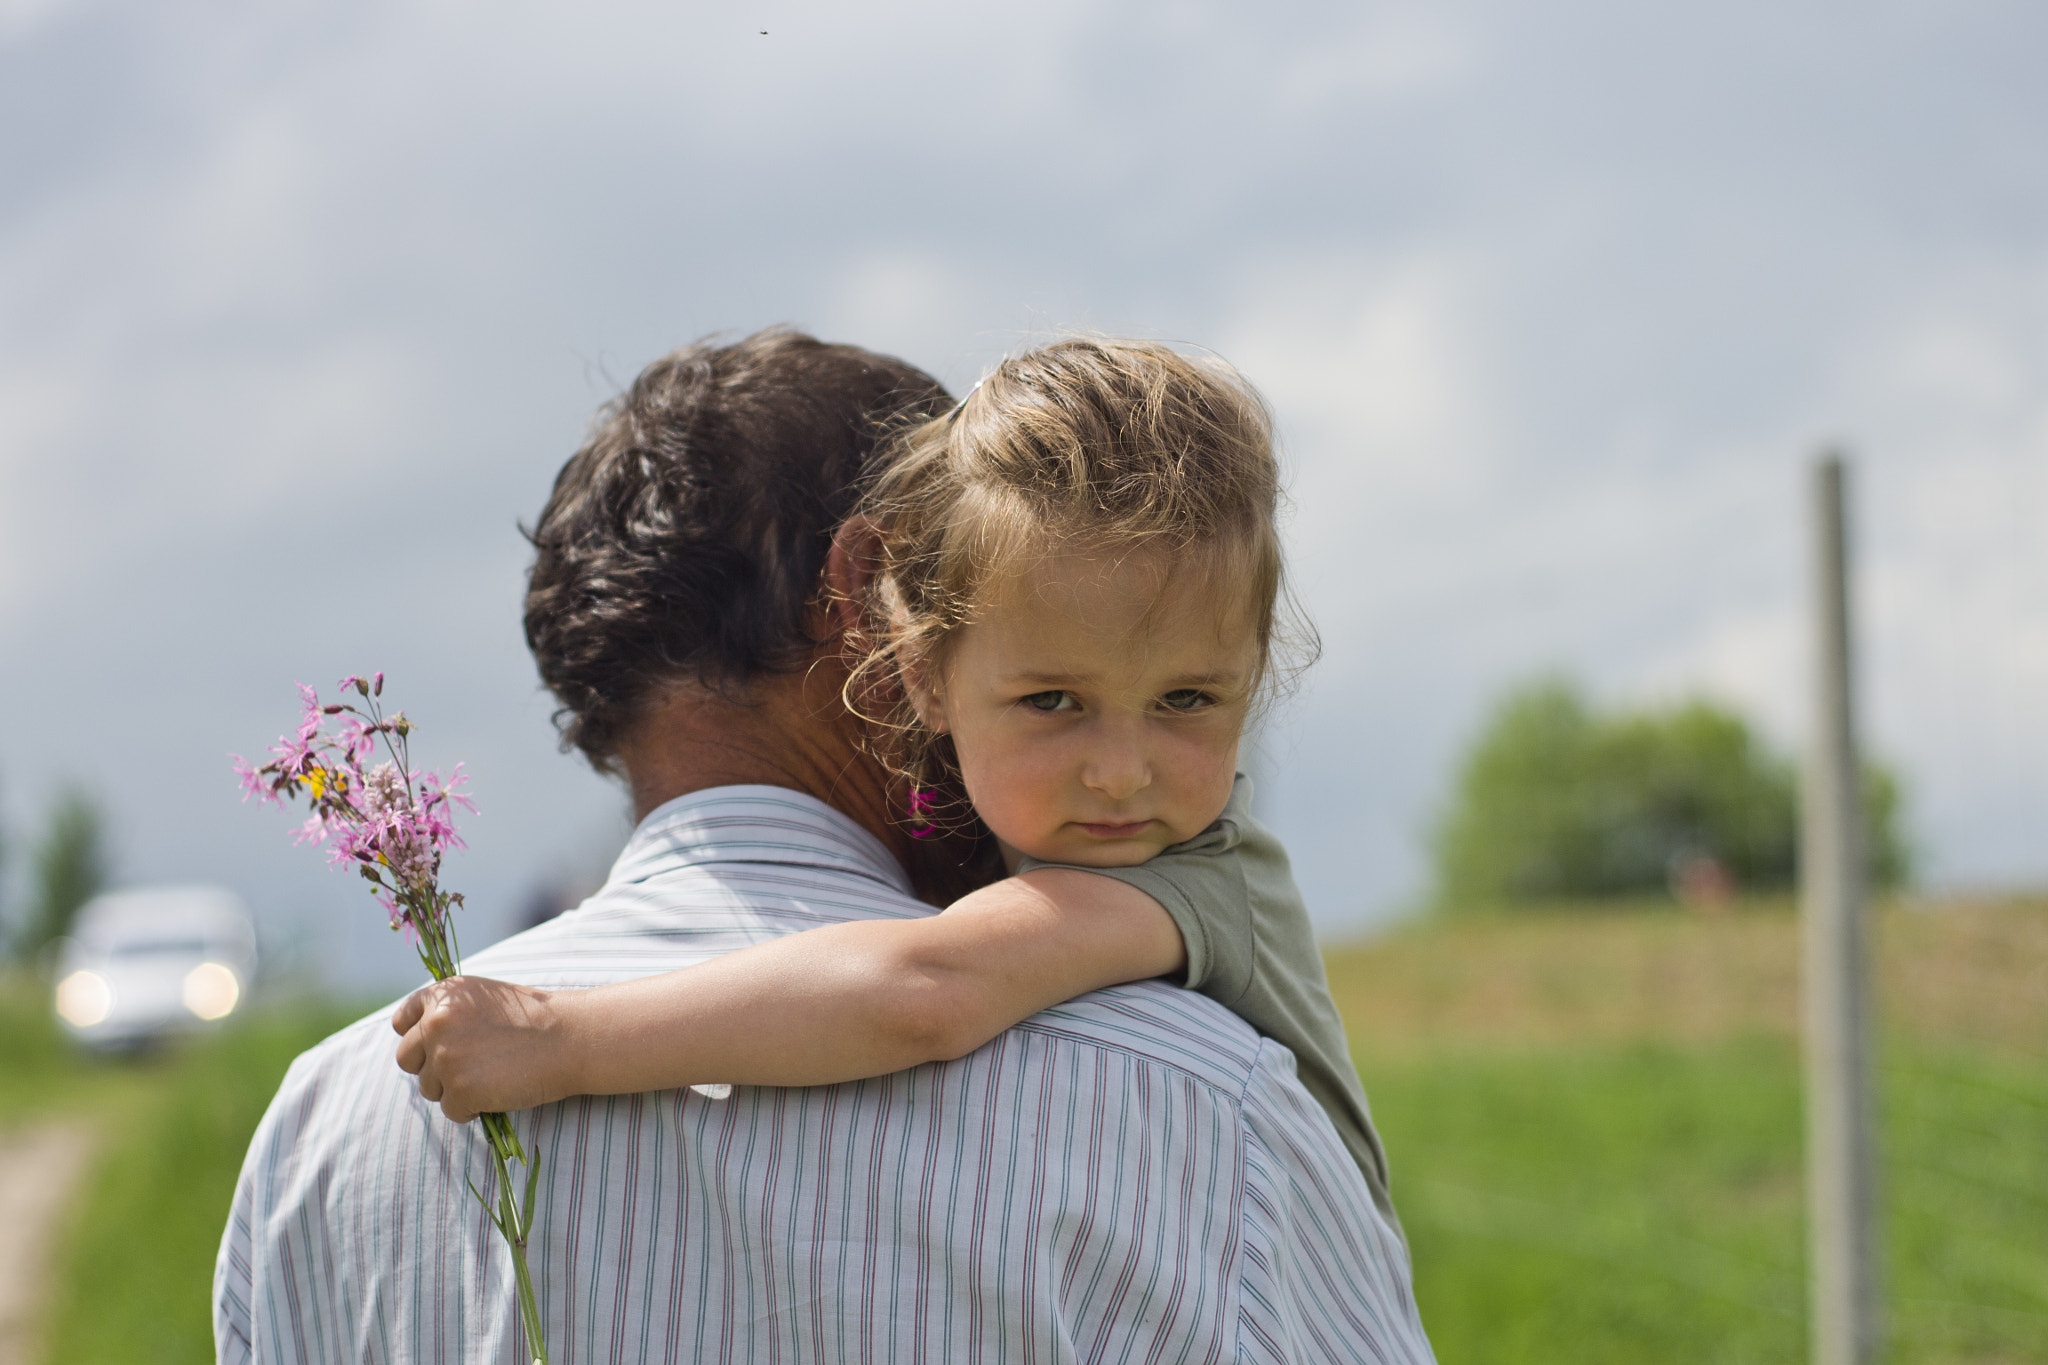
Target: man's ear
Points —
{"points": [[852, 562]]}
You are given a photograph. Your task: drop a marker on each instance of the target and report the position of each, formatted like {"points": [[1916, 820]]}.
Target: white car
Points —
{"points": [[144, 963]]}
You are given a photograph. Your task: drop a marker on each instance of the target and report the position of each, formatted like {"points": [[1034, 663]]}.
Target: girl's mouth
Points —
{"points": [[1126, 831]]}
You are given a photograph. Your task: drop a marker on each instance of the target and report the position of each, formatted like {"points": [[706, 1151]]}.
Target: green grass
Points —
{"points": [[1576, 1195], [135, 1268], [1966, 1161], [1628, 1205], [1645, 1204]]}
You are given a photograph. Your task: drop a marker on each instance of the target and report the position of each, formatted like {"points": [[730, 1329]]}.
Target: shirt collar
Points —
{"points": [[754, 824]]}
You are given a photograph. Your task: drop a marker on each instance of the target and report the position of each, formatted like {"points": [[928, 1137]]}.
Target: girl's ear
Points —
{"points": [[926, 700]]}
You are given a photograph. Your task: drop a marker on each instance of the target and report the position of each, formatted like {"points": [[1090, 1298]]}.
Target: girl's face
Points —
{"points": [[1096, 707]]}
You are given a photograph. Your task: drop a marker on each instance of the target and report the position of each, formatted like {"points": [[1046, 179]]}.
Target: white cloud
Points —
{"points": [[1375, 377], [1753, 659], [914, 304], [20, 19], [126, 471], [1941, 397], [1393, 52]]}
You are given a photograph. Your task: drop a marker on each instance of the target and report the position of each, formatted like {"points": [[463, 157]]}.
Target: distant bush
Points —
{"points": [[69, 869], [1556, 800]]}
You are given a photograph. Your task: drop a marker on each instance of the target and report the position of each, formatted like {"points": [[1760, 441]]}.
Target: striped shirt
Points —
{"points": [[1133, 1176]]}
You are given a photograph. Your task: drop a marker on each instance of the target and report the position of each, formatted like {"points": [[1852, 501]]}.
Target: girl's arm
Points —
{"points": [[837, 1003]]}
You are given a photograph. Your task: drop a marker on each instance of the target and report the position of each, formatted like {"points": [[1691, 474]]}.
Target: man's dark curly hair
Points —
{"points": [[687, 537]]}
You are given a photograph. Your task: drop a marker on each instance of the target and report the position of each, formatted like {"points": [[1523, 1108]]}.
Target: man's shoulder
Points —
{"points": [[1161, 1025], [364, 1051]]}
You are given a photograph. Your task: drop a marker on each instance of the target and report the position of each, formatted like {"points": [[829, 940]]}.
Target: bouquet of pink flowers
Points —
{"points": [[391, 823]]}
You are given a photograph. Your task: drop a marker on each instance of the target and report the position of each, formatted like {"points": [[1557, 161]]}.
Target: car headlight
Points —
{"points": [[84, 999], [211, 990]]}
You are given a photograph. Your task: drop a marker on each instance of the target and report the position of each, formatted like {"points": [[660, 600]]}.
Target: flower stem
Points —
{"points": [[515, 1223]]}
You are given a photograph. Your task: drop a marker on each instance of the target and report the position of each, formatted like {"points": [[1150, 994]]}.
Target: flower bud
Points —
{"points": [[363, 686]]}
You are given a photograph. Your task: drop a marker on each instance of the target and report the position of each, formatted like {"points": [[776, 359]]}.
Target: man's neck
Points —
{"points": [[787, 730], [793, 730]]}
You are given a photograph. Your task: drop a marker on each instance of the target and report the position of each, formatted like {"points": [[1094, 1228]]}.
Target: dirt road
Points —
{"points": [[40, 1167]]}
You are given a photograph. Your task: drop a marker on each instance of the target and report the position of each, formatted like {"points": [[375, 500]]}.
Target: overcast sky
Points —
{"points": [[301, 306]]}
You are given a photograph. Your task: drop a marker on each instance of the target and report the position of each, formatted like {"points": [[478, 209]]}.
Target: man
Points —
{"points": [[1133, 1175]]}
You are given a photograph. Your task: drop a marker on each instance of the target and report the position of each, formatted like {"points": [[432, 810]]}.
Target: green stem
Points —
{"points": [[515, 1223]]}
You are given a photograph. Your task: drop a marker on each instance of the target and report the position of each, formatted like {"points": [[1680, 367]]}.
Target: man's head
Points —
{"points": [[684, 542]]}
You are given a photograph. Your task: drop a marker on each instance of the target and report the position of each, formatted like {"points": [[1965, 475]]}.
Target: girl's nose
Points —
{"points": [[1118, 769]]}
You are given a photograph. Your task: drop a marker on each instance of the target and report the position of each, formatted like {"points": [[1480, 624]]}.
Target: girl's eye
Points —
{"points": [[1050, 701], [1186, 699]]}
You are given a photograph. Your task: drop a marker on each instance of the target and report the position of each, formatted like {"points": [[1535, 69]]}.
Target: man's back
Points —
{"points": [[1134, 1175]]}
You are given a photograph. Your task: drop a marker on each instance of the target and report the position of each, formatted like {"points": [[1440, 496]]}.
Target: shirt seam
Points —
{"points": [[1244, 1179], [1141, 1058], [1244, 1095]]}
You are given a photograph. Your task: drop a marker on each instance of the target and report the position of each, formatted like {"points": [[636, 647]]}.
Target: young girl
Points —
{"points": [[1073, 602]]}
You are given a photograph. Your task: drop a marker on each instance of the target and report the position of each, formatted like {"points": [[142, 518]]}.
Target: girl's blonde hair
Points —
{"points": [[1084, 446]]}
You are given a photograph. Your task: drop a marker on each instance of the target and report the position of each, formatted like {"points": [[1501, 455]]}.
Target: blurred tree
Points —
{"points": [[68, 869], [1557, 801]]}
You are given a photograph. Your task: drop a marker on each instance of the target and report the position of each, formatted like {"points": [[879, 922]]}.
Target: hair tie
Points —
{"points": [[921, 803]]}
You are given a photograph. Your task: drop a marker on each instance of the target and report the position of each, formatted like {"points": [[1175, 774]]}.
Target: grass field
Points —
{"points": [[1594, 1120]]}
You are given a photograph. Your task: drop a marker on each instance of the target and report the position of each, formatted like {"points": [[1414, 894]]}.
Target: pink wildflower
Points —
{"points": [[437, 791], [391, 823], [309, 715], [254, 783], [357, 739]]}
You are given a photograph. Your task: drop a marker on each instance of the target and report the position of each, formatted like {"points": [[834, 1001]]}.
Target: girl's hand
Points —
{"points": [[481, 1046]]}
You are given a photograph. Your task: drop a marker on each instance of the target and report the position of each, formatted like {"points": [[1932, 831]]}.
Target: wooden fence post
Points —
{"points": [[1833, 879]]}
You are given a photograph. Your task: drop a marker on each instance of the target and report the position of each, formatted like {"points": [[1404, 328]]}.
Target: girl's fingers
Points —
{"points": [[409, 1011], [412, 1052], [434, 1092], [440, 1009]]}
